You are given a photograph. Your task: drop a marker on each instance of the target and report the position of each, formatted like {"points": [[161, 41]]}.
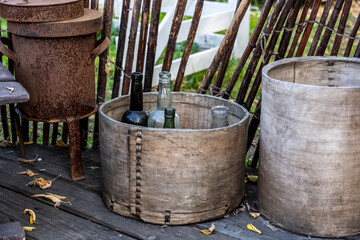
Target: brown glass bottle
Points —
{"points": [[136, 115]]}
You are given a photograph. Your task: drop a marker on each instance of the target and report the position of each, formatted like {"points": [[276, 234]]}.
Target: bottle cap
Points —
{"points": [[170, 112], [136, 76]]}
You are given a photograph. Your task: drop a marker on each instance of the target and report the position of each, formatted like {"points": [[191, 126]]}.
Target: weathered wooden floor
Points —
{"points": [[88, 217]]}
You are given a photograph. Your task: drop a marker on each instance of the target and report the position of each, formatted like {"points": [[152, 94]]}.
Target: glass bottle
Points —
{"points": [[136, 115], [169, 116], [164, 100], [219, 116]]}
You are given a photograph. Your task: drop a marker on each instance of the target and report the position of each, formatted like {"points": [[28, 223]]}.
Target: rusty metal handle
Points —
{"points": [[98, 50], [7, 52]]}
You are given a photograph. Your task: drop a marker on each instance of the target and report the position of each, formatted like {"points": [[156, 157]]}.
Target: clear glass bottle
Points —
{"points": [[164, 100], [169, 116], [219, 116], [136, 115]]}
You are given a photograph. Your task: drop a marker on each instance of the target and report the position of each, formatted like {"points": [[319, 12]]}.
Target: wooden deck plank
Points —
{"points": [[86, 202], [51, 223]]}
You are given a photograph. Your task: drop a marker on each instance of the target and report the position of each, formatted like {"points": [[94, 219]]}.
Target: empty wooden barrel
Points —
{"points": [[309, 176], [173, 176]]}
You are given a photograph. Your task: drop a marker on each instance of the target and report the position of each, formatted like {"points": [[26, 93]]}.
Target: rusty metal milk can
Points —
{"points": [[54, 61]]}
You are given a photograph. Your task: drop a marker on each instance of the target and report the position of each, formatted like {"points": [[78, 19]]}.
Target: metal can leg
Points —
{"points": [[75, 149], [21, 138]]}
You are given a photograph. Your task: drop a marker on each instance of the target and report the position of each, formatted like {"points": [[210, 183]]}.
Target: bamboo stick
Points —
{"points": [[288, 30], [46, 133], [320, 27], [102, 76], [268, 52], [175, 27], [120, 47], [35, 129], [25, 129], [341, 27], [299, 28], [54, 133], [251, 45], [4, 121], [131, 47], [352, 36], [232, 30], [143, 36], [225, 62], [189, 43], [152, 43], [326, 36], [357, 50], [254, 124], [258, 50], [65, 133], [95, 4], [308, 28]]}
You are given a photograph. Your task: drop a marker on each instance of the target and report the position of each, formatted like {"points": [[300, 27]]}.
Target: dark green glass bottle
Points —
{"points": [[136, 115], [169, 117]]}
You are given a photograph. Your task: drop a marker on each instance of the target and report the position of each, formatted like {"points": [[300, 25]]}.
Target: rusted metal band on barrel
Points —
{"points": [[135, 149], [32, 12]]}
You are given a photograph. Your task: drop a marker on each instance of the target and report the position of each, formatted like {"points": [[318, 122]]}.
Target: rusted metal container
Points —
{"points": [[309, 179], [41, 10], [173, 176], [54, 61]]}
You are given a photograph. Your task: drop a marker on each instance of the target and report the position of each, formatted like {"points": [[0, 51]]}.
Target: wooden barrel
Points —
{"points": [[173, 176], [309, 176]]}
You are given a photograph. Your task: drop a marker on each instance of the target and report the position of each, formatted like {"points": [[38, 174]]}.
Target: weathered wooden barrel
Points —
{"points": [[309, 176], [173, 176]]}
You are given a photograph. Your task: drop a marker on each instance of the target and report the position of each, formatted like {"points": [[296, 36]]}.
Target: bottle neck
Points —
{"points": [[164, 98], [169, 122], [136, 98]]}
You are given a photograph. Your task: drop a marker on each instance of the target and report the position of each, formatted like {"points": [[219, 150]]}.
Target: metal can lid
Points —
{"points": [[89, 23], [40, 10]]}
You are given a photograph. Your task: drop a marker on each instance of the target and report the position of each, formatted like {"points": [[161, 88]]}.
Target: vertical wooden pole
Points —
{"points": [[152, 43], [65, 132], [54, 133], [232, 30], [175, 27], [4, 121], [25, 129], [341, 27], [189, 43], [352, 36], [95, 4], [131, 47], [251, 45], [324, 16], [326, 36], [143, 36], [102, 76], [35, 133], [46, 133], [120, 47], [308, 28]]}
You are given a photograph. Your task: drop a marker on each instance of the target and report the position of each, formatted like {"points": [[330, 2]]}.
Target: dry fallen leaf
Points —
{"points": [[253, 178], [29, 229], [28, 172], [28, 143], [23, 160], [32, 215], [10, 89], [240, 209], [254, 215], [6, 143], [42, 183], [208, 231], [253, 228], [107, 70], [61, 143], [57, 199]]}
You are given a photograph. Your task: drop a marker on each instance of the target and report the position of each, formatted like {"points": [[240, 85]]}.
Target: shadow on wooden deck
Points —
{"points": [[88, 217]]}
